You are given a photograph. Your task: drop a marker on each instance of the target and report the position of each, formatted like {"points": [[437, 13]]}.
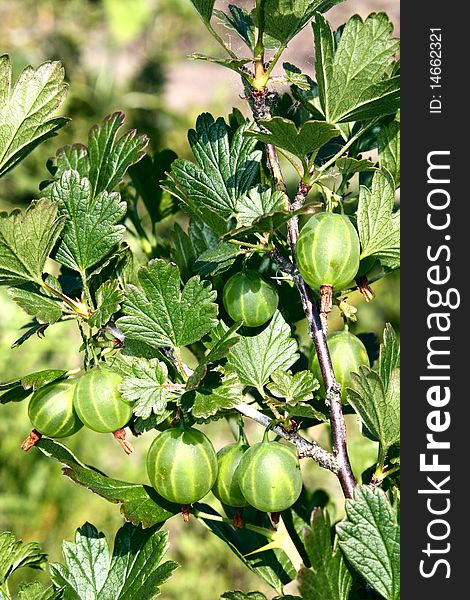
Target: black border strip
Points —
{"points": [[423, 132]]}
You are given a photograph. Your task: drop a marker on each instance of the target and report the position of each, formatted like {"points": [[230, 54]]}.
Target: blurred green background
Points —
{"points": [[128, 55]]}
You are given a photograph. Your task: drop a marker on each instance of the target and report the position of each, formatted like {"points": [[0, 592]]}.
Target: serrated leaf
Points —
{"points": [[132, 572], [370, 538], [91, 231], [273, 565], [307, 140], [140, 425], [164, 315], [204, 8], [214, 394], [257, 202], [269, 222], [348, 165], [106, 159], [36, 304], [225, 170], [146, 175], [328, 578], [379, 227], [221, 343], [26, 109], [15, 554], [293, 388], [352, 78], [379, 408], [389, 356], [26, 240], [295, 76], [146, 384], [140, 504], [284, 19], [255, 358], [216, 260], [388, 143], [108, 302]]}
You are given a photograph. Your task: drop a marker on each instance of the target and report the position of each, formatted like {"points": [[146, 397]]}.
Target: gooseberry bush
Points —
{"points": [[203, 325]]}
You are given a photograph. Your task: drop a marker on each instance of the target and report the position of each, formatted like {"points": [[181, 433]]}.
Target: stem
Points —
{"points": [[275, 60], [316, 332], [346, 146], [305, 448], [180, 363], [86, 290]]}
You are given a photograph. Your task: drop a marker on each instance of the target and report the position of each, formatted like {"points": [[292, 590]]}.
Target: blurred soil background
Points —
{"points": [[131, 55]]}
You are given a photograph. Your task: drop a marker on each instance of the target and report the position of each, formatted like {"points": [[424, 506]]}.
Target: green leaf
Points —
{"points": [[388, 142], [36, 591], [14, 554], [106, 159], [293, 388], [31, 328], [256, 358], [328, 578], [36, 304], [26, 240], [221, 343], [269, 222], [19, 389], [353, 81], [204, 8], [237, 595], [379, 227], [214, 394], [239, 20], [15, 394], [182, 252], [188, 247], [108, 302], [370, 538], [216, 260], [379, 408], [146, 176], [272, 565], [389, 356], [26, 109], [234, 64], [163, 315], [348, 165], [91, 231], [295, 76], [146, 384], [300, 142], [132, 572], [284, 19], [257, 202], [140, 504], [225, 170]]}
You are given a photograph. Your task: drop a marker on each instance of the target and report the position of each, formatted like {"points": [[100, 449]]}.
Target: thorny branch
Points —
{"points": [[259, 100], [305, 448]]}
